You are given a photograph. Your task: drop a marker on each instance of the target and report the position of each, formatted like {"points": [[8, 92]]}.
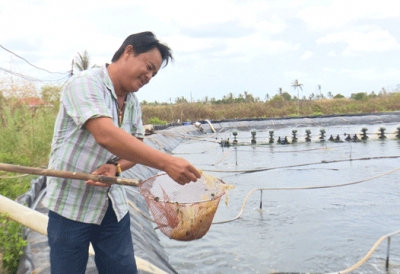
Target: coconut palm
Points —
{"points": [[320, 93], [82, 61], [296, 86]]}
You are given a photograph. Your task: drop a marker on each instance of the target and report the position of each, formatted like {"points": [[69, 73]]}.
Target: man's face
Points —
{"points": [[139, 69]]}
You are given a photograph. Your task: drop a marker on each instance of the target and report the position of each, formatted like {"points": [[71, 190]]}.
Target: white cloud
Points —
{"points": [[372, 74], [361, 42], [291, 75], [342, 12], [306, 55], [273, 25]]}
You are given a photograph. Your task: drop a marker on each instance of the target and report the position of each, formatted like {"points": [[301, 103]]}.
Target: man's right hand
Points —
{"points": [[181, 171]]}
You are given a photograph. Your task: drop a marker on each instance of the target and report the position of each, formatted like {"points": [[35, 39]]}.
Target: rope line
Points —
{"points": [[223, 157], [299, 165], [30, 62], [303, 188], [366, 257], [14, 177]]}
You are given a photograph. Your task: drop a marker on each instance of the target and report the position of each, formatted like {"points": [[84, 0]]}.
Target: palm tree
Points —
{"points": [[296, 86], [82, 61], [320, 93]]}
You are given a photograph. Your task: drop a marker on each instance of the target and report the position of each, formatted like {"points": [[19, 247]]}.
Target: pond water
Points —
{"points": [[317, 230]]}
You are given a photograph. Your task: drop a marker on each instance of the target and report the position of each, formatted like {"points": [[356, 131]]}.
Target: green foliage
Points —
{"points": [[156, 121], [82, 61], [338, 96], [180, 100], [51, 94], [317, 113], [286, 96], [12, 243], [25, 139], [359, 96]]}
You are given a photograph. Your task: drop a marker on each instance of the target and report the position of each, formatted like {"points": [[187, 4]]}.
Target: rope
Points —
{"points": [[201, 152], [138, 210], [366, 257], [278, 188], [13, 177], [156, 141], [299, 165], [303, 188], [226, 154]]}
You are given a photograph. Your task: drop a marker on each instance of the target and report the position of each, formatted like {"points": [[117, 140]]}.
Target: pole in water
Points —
{"points": [[261, 198], [387, 256], [236, 155]]}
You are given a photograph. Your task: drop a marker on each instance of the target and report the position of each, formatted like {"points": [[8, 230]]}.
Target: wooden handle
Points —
{"points": [[69, 175]]}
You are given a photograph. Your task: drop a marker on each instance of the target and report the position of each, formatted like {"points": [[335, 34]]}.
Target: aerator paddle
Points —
{"points": [[69, 175]]}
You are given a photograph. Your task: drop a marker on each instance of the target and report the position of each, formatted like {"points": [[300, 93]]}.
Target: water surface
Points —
{"points": [[317, 230]]}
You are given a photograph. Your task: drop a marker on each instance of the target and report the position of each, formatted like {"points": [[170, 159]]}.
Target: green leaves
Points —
{"points": [[12, 243]]}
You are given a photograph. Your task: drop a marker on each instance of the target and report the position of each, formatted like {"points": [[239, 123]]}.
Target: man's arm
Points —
{"points": [[125, 164], [125, 146]]}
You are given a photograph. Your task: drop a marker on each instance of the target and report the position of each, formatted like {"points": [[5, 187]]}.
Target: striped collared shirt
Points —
{"points": [[87, 95]]}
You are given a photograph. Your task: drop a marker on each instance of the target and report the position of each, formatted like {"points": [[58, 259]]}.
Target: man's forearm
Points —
{"points": [[127, 147], [124, 145]]}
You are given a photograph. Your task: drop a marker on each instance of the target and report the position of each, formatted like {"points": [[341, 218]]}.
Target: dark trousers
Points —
{"points": [[69, 243]]}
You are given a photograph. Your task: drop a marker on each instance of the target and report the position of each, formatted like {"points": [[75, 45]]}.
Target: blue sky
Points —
{"points": [[220, 46]]}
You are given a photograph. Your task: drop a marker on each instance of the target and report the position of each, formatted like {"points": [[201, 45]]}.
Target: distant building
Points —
{"points": [[34, 102]]}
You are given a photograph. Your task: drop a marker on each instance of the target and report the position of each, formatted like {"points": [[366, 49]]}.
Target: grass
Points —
{"points": [[25, 139], [270, 109]]}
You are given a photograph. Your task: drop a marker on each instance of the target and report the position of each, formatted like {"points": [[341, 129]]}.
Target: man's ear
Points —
{"points": [[129, 50]]}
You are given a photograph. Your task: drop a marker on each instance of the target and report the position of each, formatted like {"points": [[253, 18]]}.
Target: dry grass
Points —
{"points": [[270, 109]]}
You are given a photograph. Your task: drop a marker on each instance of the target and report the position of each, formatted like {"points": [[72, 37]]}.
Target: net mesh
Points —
{"points": [[182, 212]]}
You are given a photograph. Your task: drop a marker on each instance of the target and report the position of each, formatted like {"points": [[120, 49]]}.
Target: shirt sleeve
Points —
{"points": [[83, 99]]}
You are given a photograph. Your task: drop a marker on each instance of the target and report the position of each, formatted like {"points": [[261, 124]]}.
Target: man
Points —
{"points": [[94, 132]]}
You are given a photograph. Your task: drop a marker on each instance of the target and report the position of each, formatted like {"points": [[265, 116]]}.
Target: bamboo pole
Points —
{"points": [[69, 175]]}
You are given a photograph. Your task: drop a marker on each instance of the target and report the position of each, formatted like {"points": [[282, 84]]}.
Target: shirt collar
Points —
{"points": [[107, 81]]}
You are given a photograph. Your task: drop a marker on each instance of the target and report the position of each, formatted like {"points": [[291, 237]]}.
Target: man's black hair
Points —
{"points": [[143, 42]]}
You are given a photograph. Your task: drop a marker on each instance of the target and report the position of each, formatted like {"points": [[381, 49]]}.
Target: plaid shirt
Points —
{"points": [[89, 94]]}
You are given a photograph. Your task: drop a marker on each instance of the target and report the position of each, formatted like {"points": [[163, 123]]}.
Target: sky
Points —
{"points": [[219, 46]]}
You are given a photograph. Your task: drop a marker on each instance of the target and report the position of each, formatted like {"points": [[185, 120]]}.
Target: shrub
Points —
{"points": [[156, 121], [12, 243]]}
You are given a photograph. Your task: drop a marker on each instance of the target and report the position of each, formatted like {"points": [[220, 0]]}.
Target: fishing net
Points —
{"points": [[182, 212]]}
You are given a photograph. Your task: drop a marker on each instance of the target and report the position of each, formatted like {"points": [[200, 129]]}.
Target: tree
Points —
{"points": [[82, 61], [320, 95], [285, 95], [248, 97], [180, 100], [51, 93], [296, 86], [360, 96], [383, 92], [338, 96]]}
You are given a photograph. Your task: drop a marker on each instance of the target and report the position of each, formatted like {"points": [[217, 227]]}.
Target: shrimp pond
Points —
{"points": [[323, 206]]}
